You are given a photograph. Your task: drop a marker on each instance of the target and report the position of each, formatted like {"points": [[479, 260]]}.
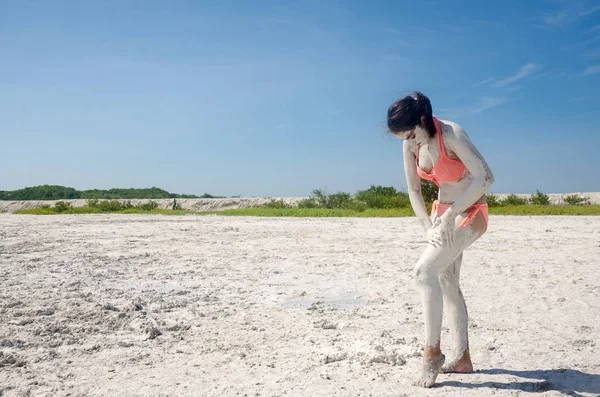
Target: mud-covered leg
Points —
{"points": [[457, 316]]}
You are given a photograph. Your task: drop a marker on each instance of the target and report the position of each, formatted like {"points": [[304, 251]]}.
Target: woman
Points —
{"points": [[441, 151]]}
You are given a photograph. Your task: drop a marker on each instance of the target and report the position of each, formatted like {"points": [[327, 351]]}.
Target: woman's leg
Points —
{"points": [[430, 266], [457, 315], [426, 274]]}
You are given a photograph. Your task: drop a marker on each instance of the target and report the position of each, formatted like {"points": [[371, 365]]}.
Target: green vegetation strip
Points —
{"points": [[331, 213], [528, 209], [377, 201], [531, 209], [319, 212]]}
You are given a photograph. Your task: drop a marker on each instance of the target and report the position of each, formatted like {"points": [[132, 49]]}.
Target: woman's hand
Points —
{"points": [[441, 233]]}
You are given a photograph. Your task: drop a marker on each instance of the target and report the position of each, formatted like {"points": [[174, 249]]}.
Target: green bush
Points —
{"points": [[575, 199], [382, 197], [308, 203], [93, 203], [62, 206], [149, 206], [339, 200], [429, 190], [109, 206], [277, 204], [322, 199], [358, 206], [513, 199], [492, 200], [539, 198]]}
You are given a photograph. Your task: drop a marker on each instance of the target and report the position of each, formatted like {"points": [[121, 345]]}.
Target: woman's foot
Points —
{"points": [[430, 370], [460, 365]]}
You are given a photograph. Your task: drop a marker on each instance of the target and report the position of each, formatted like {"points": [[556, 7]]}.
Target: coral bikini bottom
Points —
{"points": [[439, 209]]}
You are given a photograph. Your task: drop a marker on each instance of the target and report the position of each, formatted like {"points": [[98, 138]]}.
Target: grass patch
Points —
{"points": [[526, 209], [532, 209], [319, 212]]}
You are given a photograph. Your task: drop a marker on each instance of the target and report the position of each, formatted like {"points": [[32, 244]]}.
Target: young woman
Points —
{"points": [[441, 151]]}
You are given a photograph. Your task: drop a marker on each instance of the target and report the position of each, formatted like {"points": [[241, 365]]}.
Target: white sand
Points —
{"points": [[116, 305]]}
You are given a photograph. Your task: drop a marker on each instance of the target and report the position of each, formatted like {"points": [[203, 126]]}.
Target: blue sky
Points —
{"points": [[277, 98]]}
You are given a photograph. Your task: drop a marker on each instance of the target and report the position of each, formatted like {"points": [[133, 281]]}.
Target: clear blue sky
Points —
{"points": [[277, 98]]}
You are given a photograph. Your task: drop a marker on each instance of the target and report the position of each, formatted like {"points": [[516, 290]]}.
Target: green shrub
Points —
{"points": [[513, 199], [358, 206], [492, 200], [277, 204], [109, 206], [539, 198], [382, 197], [308, 203], [93, 203], [62, 206], [322, 199], [149, 206], [429, 190], [575, 199], [339, 200]]}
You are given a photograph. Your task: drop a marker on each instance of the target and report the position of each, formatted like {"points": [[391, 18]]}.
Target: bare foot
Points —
{"points": [[460, 365], [429, 372]]}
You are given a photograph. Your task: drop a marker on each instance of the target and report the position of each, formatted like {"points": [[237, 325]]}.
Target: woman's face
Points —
{"points": [[408, 134]]}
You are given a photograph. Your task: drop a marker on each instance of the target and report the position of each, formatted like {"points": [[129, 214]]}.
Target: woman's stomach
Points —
{"points": [[451, 191]]}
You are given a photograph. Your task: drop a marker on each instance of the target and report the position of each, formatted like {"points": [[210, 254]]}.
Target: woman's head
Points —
{"points": [[408, 113]]}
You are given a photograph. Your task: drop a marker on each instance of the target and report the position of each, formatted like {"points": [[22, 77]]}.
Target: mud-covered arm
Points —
{"points": [[413, 184], [459, 143]]}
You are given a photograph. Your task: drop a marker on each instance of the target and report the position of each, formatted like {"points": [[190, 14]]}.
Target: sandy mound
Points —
{"points": [[187, 204]]}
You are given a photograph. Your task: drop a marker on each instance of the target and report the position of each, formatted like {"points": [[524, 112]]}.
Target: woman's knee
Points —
{"points": [[433, 261], [425, 274], [448, 281]]}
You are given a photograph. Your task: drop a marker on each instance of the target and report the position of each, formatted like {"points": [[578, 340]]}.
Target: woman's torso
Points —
{"points": [[428, 157]]}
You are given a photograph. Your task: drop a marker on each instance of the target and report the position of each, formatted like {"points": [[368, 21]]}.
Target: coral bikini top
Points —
{"points": [[446, 169]]}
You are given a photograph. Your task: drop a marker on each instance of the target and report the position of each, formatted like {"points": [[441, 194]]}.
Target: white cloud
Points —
{"points": [[592, 54], [557, 19], [488, 103], [525, 71], [583, 43], [574, 11], [486, 81], [592, 70], [589, 11], [485, 103]]}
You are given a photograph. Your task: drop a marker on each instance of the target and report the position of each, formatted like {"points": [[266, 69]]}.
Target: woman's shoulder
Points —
{"points": [[451, 129]]}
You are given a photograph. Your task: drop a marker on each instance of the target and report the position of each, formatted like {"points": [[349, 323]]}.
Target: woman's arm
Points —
{"points": [[413, 183], [459, 143]]}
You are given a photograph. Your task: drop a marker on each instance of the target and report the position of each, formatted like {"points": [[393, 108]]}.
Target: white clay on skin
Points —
{"points": [[437, 271]]}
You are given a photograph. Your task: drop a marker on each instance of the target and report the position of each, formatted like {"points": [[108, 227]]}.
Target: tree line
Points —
{"points": [[55, 192]]}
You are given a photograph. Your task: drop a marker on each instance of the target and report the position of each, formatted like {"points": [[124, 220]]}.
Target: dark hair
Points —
{"points": [[405, 114]]}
